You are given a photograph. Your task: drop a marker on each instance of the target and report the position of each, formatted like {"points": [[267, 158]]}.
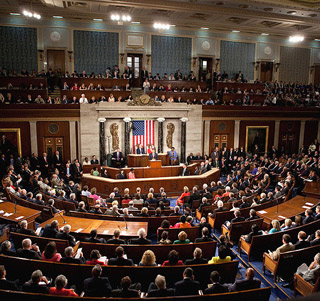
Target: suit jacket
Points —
{"points": [[282, 249], [73, 260], [243, 285], [161, 292], [97, 287], [96, 161], [114, 156], [187, 287], [203, 239], [49, 232], [68, 237], [29, 254], [185, 172], [196, 261], [301, 244], [120, 293], [139, 151], [216, 288], [140, 241], [155, 156], [8, 285], [27, 232], [120, 261], [312, 275], [31, 287]]}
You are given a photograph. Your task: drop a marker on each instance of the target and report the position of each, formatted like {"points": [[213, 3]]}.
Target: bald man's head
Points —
{"points": [[249, 273]]}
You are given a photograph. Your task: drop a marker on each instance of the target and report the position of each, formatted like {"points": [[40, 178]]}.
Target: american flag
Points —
{"points": [[143, 133]]}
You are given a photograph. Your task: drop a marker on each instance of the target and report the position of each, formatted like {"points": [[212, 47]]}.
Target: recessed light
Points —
{"points": [[264, 34], [318, 40], [291, 12], [235, 30], [205, 28], [135, 22], [98, 20], [58, 17], [15, 14], [296, 38], [172, 25]]}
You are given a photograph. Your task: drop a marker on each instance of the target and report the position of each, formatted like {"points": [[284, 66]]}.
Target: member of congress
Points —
{"points": [[139, 150], [117, 158], [153, 155]]}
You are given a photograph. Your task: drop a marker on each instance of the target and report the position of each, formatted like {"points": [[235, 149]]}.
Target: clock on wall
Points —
{"points": [[205, 45], [55, 36]]}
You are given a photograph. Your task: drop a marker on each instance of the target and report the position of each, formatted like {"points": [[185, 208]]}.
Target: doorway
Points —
{"points": [[56, 60], [220, 141], [317, 75], [266, 71], [205, 66], [134, 62], [53, 144]]}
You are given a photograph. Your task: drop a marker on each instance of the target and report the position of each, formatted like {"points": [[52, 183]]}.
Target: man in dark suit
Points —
{"points": [[76, 170], [116, 238], [93, 237], [117, 158], [67, 236], [142, 240], [139, 150], [217, 287], [185, 171], [205, 236], [94, 160], [34, 286], [316, 241], [69, 257], [51, 231], [125, 291], [97, 286], [158, 288], [4, 283], [309, 217], [188, 286], [144, 74], [197, 258], [302, 241], [153, 155], [246, 284], [23, 229], [220, 208], [119, 259], [28, 250], [57, 160], [44, 165]]}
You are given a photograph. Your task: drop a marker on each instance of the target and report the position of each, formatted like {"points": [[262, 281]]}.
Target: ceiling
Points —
{"points": [[275, 17]]}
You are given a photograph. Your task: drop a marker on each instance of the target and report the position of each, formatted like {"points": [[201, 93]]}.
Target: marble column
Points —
{"points": [[183, 139], [206, 135], [102, 140], [33, 137], [73, 140], [236, 134], [160, 134], [301, 137], [126, 135], [276, 134]]}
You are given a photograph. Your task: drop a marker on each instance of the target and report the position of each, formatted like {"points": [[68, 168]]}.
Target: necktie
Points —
{"points": [[117, 156]]}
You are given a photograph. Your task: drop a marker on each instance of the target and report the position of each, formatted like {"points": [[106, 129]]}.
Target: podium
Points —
{"points": [[155, 163]]}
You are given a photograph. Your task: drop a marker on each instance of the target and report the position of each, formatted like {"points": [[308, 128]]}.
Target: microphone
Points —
{"points": [[125, 222], [59, 212]]}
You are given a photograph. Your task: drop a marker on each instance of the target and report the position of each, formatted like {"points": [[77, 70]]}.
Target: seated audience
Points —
{"points": [[216, 287], [29, 250], [148, 259], [37, 284], [94, 258], [164, 239], [222, 256], [6, 249], [173, 259], [141, 240], [50, 253], [70, 257], [6, 284], [182, 238], [188, 286], [23, 229], [120, 258], [94, 237], [302, 241], [59, 288], [159, 289], [197, 258], [116, 238], [67, 236], [205, 236], [247, 284], [287, 246], [125, 291]]}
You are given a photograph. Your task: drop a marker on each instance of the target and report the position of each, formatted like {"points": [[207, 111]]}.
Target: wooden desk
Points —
{"points": [[101, 225], [172, 185], [135, 160], [28, 214], [287, 209], [155, 164], [312, 189]]}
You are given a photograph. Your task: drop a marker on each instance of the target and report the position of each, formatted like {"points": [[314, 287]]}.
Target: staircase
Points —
{"points": [[55, 93]]}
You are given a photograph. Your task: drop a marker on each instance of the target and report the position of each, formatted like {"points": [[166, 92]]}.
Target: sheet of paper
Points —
{"points": [[306, 207], [78, 253], [38, 230], [262, 212], [20, 217], [309, 204], [7, 214], [105, 232], [1, 211], [1, 201], [123, 232], [281, 216], [79, 230]]}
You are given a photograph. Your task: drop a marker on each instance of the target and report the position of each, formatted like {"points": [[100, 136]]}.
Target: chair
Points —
{"points": [[304, 287]]}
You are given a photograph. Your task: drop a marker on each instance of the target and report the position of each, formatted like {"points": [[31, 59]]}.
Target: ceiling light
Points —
{"points": [[15, 14], [318, 40], [30, 14], [98, 20], [291, 12], [264, 34], [205, 28], [135, 22], [235, 30], [161, 26], [296, 38], [115, 17], [58, 17]]}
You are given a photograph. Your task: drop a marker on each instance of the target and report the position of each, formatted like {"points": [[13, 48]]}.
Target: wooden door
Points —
{"points": [[287, 143], [53, 144], [266, 71], [220, 141], [205, 66], [56, 60], [134, 62], [317, 75]]}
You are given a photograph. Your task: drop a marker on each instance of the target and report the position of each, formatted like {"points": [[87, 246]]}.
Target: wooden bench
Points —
{"points": [[234, 96], [261, 243], [60, 204], [104, 82], [184, 95], [288, 262], [193, 233], [17, 239], [76, 273], [304, 287], [187, 84], [22, 81], [262, 294], [240, 228], [24, 94], [135, 252], [97, 94], [242, 86]]}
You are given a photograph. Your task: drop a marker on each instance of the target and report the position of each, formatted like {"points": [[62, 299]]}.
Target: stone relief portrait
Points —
{"points": [[115, 137], [170, 131]]}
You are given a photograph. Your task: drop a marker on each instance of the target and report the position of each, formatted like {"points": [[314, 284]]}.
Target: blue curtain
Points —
{"points": [[18, 48], [95, 51], [237, 56], [168, 54], [295, 64]]}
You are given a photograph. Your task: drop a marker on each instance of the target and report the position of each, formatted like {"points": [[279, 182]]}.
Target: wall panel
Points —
{"points": [[218, 127], [289, 132], [310, 132]]}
